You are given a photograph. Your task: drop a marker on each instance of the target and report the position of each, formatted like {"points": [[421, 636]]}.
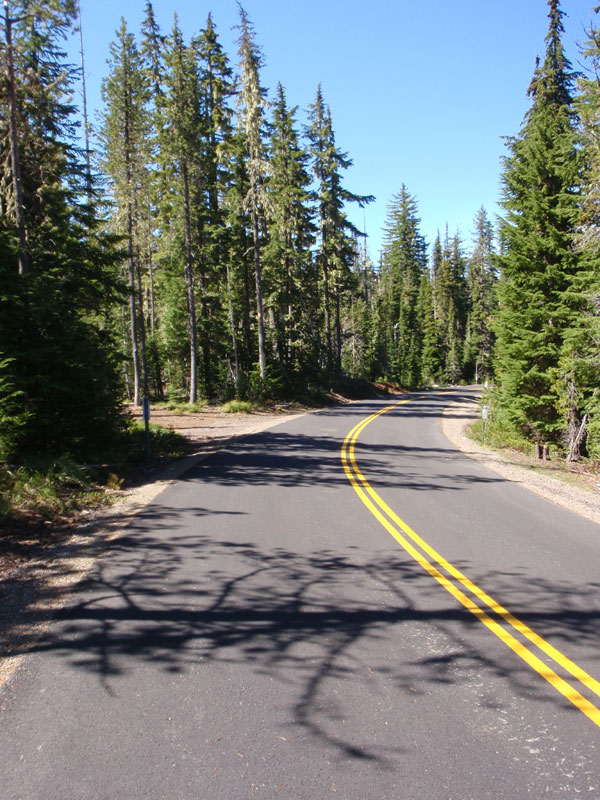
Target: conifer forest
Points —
{"points": [[195, 244]]}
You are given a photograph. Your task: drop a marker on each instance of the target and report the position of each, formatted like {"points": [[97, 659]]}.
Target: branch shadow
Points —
{"points": [[309, 620]]}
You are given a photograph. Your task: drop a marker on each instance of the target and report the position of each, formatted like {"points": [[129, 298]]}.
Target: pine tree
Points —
{"points": [[580, 361], [56, 352], [125, 140], [335, 243], [363, 354], [449, 304], [252, 102], [288, 258], [216, 90], [13, 136], [481, 281], [180, 157], [431, 355], [539, 262], [404, 260]]}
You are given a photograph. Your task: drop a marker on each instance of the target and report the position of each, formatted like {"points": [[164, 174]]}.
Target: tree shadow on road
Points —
{"points": [[328, 625]]}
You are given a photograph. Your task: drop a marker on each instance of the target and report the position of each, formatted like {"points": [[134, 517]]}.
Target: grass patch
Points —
{"points": [[164, 444], [59, 489], [239, 407], [498, 437], [47, 491], [182, 407]]}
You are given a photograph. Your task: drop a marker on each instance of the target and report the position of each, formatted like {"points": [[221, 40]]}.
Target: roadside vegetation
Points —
{"points": [[498, 436], [55, 491]]}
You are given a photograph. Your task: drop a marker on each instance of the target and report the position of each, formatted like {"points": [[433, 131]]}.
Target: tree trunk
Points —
{"points": [[14, 146], [236, 374], [135, 357], [142, 325], [86, 126], [338, 330], [575, 444], [127, 377], [262, 362], [327, 311], [189, 277]]}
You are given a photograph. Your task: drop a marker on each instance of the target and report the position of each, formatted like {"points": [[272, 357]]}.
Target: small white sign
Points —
{"points": [[484, 412]]}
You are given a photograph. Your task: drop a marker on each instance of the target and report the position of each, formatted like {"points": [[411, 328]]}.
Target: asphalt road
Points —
{"points": [[309, 614]]}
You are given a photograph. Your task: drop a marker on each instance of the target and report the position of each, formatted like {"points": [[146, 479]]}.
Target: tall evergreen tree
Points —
{"points": [[180, 155], [126, 149], [335, 242], [58, 387], [216, 91], [404, 260], [449, 304], [481, 282], [252, 102], [431, 355], [539, 262], [580, 363], [288, 258]]}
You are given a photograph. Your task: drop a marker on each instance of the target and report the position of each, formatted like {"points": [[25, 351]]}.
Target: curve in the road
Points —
{"points": [[400, 531]]}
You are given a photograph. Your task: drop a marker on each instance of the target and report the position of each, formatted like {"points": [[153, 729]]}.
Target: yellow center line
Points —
{"points": [[377, 505]]}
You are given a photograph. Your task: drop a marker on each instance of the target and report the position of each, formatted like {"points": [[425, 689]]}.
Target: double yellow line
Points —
{"points": [[458, 585]]}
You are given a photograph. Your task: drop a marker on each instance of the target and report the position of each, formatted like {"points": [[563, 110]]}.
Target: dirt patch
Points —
{"points": [[213, 424]]}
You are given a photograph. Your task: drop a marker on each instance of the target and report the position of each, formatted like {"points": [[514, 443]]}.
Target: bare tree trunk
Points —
{"points": [[189, 277], [86, 127], [575, 445], [236, 374], [338, 329], [262, 362], [327, 312], [125, 343], [14, 145], [142, 324], [132, 310]]}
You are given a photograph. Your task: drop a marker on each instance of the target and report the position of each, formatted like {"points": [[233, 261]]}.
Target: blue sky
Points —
{"points": [[421, 91]]}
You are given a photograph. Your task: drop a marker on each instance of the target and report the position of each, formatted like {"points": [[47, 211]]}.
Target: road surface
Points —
{"points": [[344, 605]]}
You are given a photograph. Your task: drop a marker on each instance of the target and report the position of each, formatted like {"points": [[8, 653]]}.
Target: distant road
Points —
{"points": [[344, 605]]}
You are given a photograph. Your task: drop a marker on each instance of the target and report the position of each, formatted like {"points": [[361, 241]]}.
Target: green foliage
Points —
{"points": [[164, 444], [499, 433], [58, 384], [481, 284], [404, 261], [238, 407], [538, 263], [271, 386], [288, 269], [57, 488], [183, 407], [335, 243]]}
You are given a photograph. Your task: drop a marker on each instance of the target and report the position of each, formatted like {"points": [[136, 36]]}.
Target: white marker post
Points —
{"points": [[484, 415]]}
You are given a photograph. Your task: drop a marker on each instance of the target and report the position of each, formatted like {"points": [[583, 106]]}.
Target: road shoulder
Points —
{"points": [[455, 421]]}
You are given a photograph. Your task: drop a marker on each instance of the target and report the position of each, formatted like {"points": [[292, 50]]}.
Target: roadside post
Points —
{"points": [[146, 415], [484, 416]]}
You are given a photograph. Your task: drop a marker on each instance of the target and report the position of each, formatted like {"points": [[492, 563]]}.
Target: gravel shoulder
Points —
{"points": [[520, 469]]}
